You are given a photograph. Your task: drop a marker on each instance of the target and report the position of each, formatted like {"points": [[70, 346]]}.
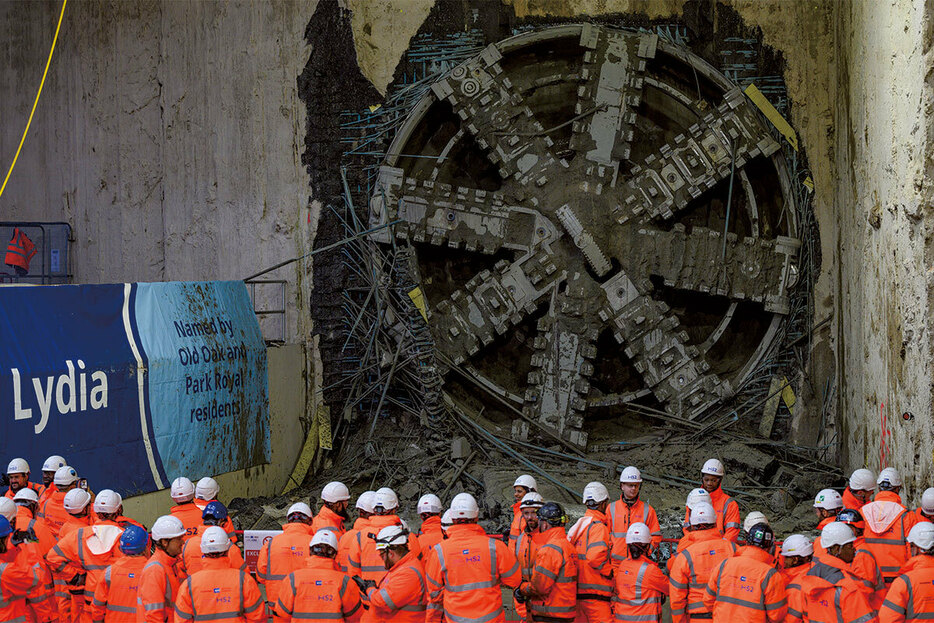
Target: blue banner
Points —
{"points": [[134, 384]]}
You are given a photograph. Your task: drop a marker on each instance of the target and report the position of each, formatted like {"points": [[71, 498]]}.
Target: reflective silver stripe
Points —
{"points": [[594, 587], [483, 619], [740, 602], [463, 588], [881, 541], [372, 568], [120, 608], [542, 609], [546, 572], [388, 599], [636, 617], [317, 615]]}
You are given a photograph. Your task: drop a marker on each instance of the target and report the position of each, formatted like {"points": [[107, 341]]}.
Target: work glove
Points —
{"points": [[78, 583], [518, 596], [506, 536], [360, 583]]}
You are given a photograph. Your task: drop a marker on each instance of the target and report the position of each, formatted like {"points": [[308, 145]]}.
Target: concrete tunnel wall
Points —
{"points": [[169, 136]]}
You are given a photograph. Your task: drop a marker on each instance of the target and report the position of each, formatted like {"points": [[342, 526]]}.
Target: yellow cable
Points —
{"points": [[35, 103]]}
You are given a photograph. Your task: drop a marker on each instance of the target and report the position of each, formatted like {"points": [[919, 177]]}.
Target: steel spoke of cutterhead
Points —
{"points": [[457, 217], [494, 112], [694, 161]]}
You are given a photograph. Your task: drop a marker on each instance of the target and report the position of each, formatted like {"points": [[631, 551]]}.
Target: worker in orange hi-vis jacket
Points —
{"points": [[712, 474], [117, 593], [160, 578], [183, 494], [401, 596], [523, 485], [829, 592], [27, 504], [219, 593], [465, 571], [552, 590], [527, 544], [333, 513], [860, 489], [888, 524], [627, 510], [747, 587], [911, 597], [319, 591], [52, 509], [364, 506], [590, 537], [18, 577], [429, 511], [193, 558], [797, 559], [925, 512], [693, 566], [206, 491], [284, 553], [641, 587]]}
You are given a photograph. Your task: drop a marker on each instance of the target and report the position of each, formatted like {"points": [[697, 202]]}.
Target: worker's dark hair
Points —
{"points": [[637, 549], [323, 550], [215, 555]]}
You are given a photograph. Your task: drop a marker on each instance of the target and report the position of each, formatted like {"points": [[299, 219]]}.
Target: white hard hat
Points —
{"points": [[703, 513], [167, 527], [862, 480], [532, 499], [391, 535], [713, 467], [753, 518], [335, 492], [464, 506], [324, 537], [828, 499], [64, 476], [386, 498], [429, 503], [836, 533], [76, 500], [207, 489], [525, 481], [107, 501], [26, 494], [595, 492], [922, 535], [927, 501], [631, 475], [638, 533], [448, 520], [18, 466], [8, 508], [300, 507], [797, 545], [365, 501], [890, 475], [214, 540], [53, 463], [698, 496], [182, 490]]}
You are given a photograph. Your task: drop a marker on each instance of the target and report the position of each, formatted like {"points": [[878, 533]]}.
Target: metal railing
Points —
{"points": [[52, 262]]}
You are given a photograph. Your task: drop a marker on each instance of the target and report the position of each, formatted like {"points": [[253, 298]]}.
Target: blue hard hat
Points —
{"points": [[134, 541], [761, 536], [215, 510], [5, 528]]}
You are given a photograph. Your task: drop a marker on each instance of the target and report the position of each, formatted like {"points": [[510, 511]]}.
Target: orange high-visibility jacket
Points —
{"points": [[721, 528], [46, 494], [20, 251], [911, 596], [219, 594], [360, 528], [190, 516], [228, 523], [39, 489], [282, 554], [746, 588], [192, 558], [793, 577], [83, 551], [18, 579], [920, 516], [524, 548], [319, 592], [326, 519], [640, 591], [53, 512], [691, 570], [362, 558], [464, 575], [158, 586], [402, 596], [594, 568], [518, 524], [73, 523], [829, 594], [554, 578], [26, 522], [40, 601], [117, 593], [430, 533], [620, 516], [887, 526], [727, 514]]}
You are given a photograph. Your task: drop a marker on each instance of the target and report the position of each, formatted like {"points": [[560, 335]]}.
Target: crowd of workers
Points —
{"points": [[70, 556]]}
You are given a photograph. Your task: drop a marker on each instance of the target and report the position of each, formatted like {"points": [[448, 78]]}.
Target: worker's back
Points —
{"points": [[692, 568], [319, 592], [640, 590], [192, 558], [746, 588], [219, 594], [911, 596], [280, 556], [887, 526], [829, 593], [116, 594]]}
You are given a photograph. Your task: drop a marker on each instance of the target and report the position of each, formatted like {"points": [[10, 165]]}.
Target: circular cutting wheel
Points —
{"points": [[566, 194]]}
